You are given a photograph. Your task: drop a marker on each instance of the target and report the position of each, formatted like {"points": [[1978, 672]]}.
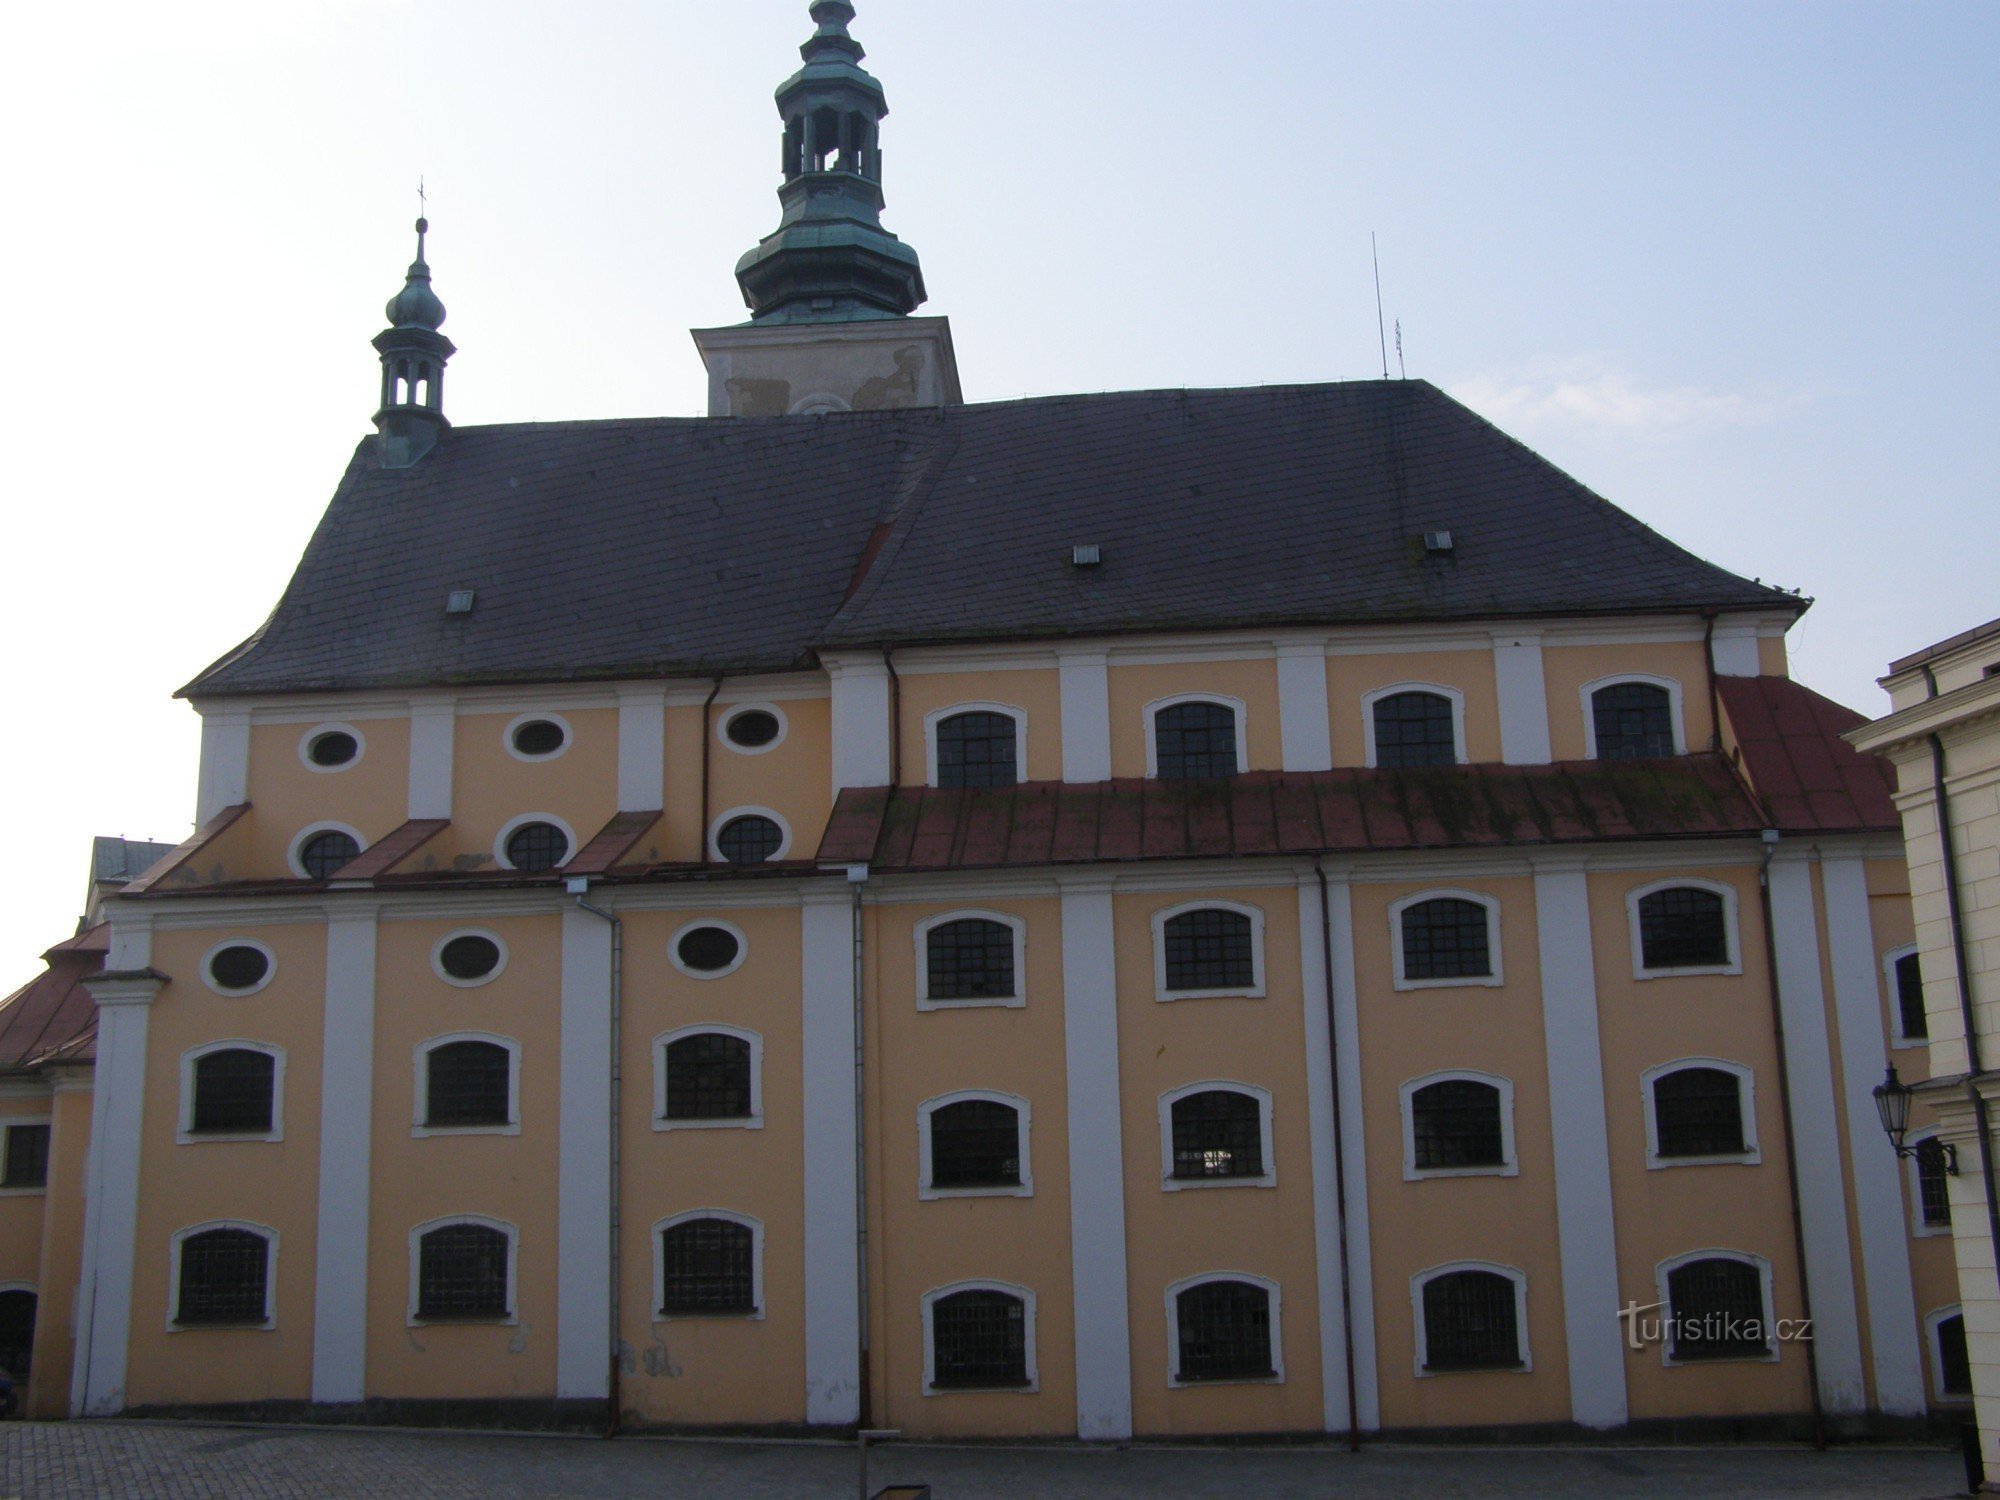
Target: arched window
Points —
{"points": [[710, 1075], [1208, 949], [970, 959], [975, 748], [222, 1275], [974, 1143], [1471, 1318], [1684, 927], [979, 1337], [1906, 973], [708, 1266], [1445, 940], [17, 1332], [1632, 721], [231, 1091], [1195, 738], [1415, 728], [464, 1272], [1217, 1134], [1457, 1124], [1225, 1328], [318, 855], [468, 1083], [1697, 1113], [1717, 1308]]}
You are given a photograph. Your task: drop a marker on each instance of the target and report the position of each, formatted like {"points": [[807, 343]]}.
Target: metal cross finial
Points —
{"points": [[423, 201]]}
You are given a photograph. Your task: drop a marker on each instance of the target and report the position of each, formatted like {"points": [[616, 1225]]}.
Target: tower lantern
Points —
{"points": [[411, 415]]}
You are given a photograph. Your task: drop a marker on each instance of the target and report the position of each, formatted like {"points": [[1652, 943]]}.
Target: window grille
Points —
{"points": [[223, 1275], [1716, 1308], [749, 840], [1446, 938], [1954, 1360], [233, 1092], [1683, 927], [1455, 1122], [707, 949], [979, 1340], [466, 1083], [976, 749], [462, 1273], [1932, 1187], [1698, 1112], [27, 1163], [975, 1143], [970, 959], [752, 729], [535, 847], [17, 1333], [540, 737], [324, 853], [1194, 740], [1217, 1133], [1210, 949], [1415, 729], [469, 956], [1633, 721], [707, 1266], [1471, 1322], [708, 1077], [1223, 1332], [239, 967], [1910, 997]]}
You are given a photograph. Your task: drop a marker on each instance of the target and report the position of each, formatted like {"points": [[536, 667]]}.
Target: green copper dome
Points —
{"points": [[416, 305]]}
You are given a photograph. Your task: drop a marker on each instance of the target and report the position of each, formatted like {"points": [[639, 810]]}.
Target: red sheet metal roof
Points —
{"points": [[1808, 777], [52, 1017]]}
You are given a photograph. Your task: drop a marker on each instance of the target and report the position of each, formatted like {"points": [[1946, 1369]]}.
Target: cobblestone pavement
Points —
{"points": [[175, 1461]]}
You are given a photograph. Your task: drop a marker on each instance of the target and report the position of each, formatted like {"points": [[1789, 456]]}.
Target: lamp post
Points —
{"points": [[1892, 1103]]}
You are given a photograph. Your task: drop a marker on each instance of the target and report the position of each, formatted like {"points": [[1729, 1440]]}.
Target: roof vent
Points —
{"points": [[1085, 556], [1437, 541], [458, 602]]}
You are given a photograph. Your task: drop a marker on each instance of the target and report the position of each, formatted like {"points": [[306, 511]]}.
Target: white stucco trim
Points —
{"points": [[185, 1133], [1267, 1142], [583, 1158], [1523, 692], [347, 1092], [642, 749], [1025, 1296], [513, 825], [1023, 1122], [756, 1228], [1017, 925], [1452, 695], [860, 692], [312, 831], [25, 1190], [1509, 1164], [224, 777], [1934, 1349], [1305, 717], [1164, 991], [1746, 1103], [1742, 1257], [437, 957], [418, 1231], [264, 1232], [1514, 1274], [270, 966], [433, 745], [951, 711], [536, 716], [1734, 648], [420, 1103], [784, 828], [1893, 999], [736, 711], [1354, 1151], [832, 1266], [1238, 714], [1084, 679], [1491, 905], [674, 948], [318, 731], [1914, 1184], [1674, 708], [1731, 927], [1204, 1278], [752, 1121]]}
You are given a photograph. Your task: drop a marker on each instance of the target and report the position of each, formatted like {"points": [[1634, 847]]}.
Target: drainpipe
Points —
{"points": [[579, 886], [857, 877], [1339, 1161], [895, 721], [707, 703], [1714, 694]]}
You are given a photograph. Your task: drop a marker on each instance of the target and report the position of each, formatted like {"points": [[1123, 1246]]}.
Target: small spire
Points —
{"points": [[416, 305], [832, 16], [411, 415]]}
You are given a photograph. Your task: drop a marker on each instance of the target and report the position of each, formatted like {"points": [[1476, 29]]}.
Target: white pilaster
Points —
{"points": [[583, 1160], [1735, 648], [861, 751], [1354, 1157], [1305, 722], [1085, 678], [833, 1270], [1878, 1192], [433, 729], [1096, 1164], [1816, 1138], [225, 762], [1584, 1219], [1524, 700], [642, 749], [347, 1091]]}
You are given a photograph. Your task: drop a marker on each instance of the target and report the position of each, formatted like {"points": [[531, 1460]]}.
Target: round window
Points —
{"points": [[537, 846], [539, 737], [336, 747], [238, 967], [749, 840], [752, 729], [707, 949], [469, 956], [323, 853]]}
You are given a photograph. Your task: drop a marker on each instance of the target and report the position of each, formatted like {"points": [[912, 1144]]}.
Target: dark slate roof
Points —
{"points": [[1809, 778], [677, 546], [123, 859]]}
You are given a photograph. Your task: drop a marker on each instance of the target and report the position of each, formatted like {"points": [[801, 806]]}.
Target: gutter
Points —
{"points": [[580, 888], [707, 703]]}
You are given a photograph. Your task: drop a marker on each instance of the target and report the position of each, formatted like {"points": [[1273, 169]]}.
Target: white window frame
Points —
{"points": [[311, 831], [1267, 1142], [1514, 1274], [737, 710], [1933, 1352], [1731, 927], [1746, 1098], [1590, 689], [1023, 1122], [421, 1059], [1455, 696], [437, 957], [1911, 1170], [674, 948], [1745, 1257], [1009, 710], [1189, 1283], [1892, 997], [306, 741], [184, 1131], [1220, 700], [1167, 913], [1510, 1163], [263, 1231], [270, 966], [784, 827], [513, 824], [755, 1119], [1492, 981], [1017, 925], [7, 1123], [1027, 1300], [536, 716], [756, 1228], [484, 1221]]}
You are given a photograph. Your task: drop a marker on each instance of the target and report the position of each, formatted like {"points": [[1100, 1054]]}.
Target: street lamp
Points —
{"points": [[1892, 1103]]}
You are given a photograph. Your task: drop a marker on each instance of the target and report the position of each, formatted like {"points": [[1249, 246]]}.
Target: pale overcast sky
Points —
{"points": [[1730, 264]]}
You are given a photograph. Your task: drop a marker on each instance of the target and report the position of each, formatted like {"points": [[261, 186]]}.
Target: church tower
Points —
{"points": [[830, 291], [411, 416]]}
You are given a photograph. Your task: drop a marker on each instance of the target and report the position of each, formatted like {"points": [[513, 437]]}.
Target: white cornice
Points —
{"points": [[1947, 711]]}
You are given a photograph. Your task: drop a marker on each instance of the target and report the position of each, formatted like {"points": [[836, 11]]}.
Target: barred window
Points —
{"points": [[1698, 1112], [1471, 1322], [708, 1266], [708, 1077], [1683, 927], [27, 1164], [1210, 949], [970, 959], [749, 840], [462, 1273], [976, 749], [1716, 1310], [535, 847], [233, 1092], [1194, 740], [1415, 729], [1933, 1191], [1633, 721], [224, 1273], [1455, 1122], [975, 1143], [1446, 938], [17, 1333], [323, 853], [979, 1341], [467, 1083], [1217, 1133], [1954, 1361], [1222, 1331], [1910, 997]]}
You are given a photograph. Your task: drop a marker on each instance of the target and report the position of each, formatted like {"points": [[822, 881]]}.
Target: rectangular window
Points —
{"points": [[1224, 1332], [27, 1163], [1698, 1112], [1212, 949], [1455, 1124], [708, 1266], [1471, 1322], [979, 1339], [1446, 939], [970, 959], [1910, 998], [223, 1277], [975, 1143]]}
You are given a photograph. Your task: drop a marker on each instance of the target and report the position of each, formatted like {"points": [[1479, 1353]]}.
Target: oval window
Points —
{"points": [[238, 967], [749, 840], [707, 949], [336, 747], [535, 847], [539, 737], [752, 729], [323, 853], [469, 956]]}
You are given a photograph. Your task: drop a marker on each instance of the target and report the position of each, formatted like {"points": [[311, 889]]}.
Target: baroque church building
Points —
{"points": [[1151, 914]]}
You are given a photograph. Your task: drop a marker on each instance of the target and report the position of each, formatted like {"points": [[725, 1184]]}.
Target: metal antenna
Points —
{"points": [[1402, 370], [1381, 334]]}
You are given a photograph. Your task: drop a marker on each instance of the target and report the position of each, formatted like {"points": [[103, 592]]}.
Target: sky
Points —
{"points": [[1729, 264]]}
